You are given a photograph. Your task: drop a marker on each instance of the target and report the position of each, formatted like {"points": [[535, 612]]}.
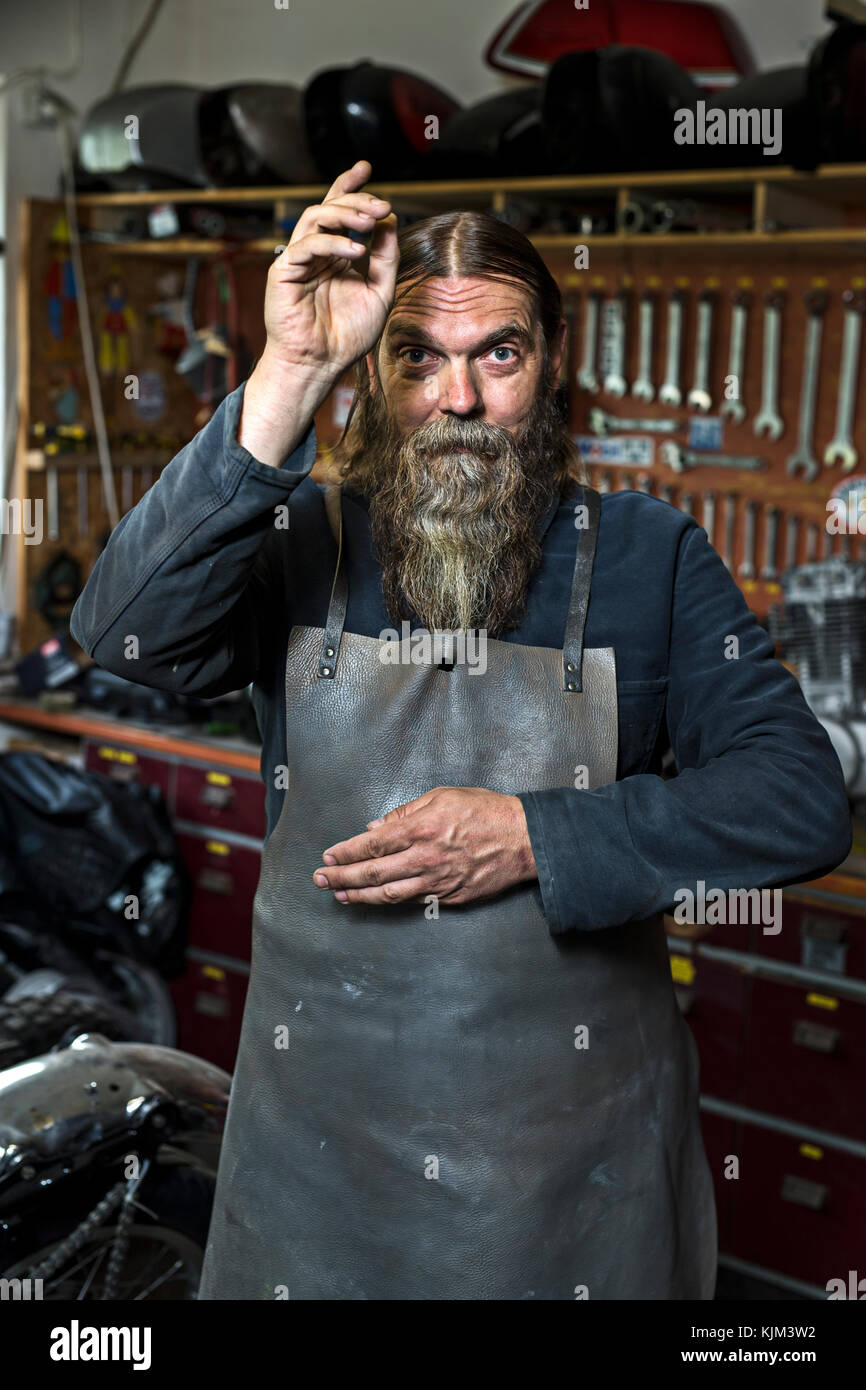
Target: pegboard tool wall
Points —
{"points": [[725, 273]]}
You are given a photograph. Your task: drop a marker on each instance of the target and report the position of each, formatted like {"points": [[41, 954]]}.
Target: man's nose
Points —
{"points": [[458, 390]]}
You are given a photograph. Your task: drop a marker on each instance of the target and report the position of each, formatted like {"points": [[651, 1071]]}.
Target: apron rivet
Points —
{"points": [[569, 666], [571, 686], [329, 651], [325, 671]]}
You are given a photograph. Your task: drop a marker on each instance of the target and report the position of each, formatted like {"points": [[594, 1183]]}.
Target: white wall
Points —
{"points": [[217, 41]]}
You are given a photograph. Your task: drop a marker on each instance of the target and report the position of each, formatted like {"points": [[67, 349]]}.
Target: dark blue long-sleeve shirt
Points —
{"points": [[206, 575]]}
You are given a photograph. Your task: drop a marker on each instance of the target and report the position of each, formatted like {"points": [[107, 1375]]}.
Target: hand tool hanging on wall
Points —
{"points": [[812, 543], [771, 537], [699, 397], [747, 564], [803, 458], [600, 422], [586, 377], [53, 501], [768, 421], [642, 387], [730, 528], [670, 393], [686, 502], [614, 348], [679, 459], [792, 540], [842, 449], [708, 517], [83, 517], [734, 406]]}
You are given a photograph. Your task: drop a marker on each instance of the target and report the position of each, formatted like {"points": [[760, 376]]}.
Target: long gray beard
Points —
{"points": [[456, 533]]}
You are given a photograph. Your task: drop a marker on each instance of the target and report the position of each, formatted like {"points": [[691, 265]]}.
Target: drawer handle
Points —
{"points": [[215, 881], [218, 797], [817, 1037], [803, 1193]]}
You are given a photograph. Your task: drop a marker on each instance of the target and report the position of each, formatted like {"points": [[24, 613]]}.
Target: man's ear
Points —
{"points": [[370, 360], [557, 351]]}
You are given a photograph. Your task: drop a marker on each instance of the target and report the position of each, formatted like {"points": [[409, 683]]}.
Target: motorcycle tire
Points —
{"points": [[38, 1022], [166, 1243]]}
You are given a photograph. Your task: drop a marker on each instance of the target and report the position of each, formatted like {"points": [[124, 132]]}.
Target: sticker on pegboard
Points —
{"points": [[632, 449], [706, 432]]}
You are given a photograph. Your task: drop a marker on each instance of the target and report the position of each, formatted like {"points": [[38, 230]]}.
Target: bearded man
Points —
{"points": [[462, 1072]]}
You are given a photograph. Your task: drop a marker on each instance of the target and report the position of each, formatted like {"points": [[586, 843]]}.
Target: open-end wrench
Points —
{"points": [[643, 387], [747, 564], [699, 397], [52, 501], [771, 539], [586, 377], [803, 457], [792, 541], [730, 528], [686, 503], [841, 449], [709, 515], [768, 420], [812, 543], [828, 545], [614, 381], [670, 393], [602, 423], [679, 459], [741, 303]]}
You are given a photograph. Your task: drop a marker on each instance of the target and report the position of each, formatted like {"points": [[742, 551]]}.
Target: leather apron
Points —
{"points": [[461, 1106]]}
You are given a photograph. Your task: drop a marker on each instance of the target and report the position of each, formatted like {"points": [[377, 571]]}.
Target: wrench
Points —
{"points": [[747, 564], [680, 459], [614, 381], [642, 387], [812, 543], [586, 377], [709, 515], [842, 447], [828, 545], [741, 302], [792, 540], [769, 421], [730, 528], [770, 542], [645, 484], [670, 393], [667, 494], [699, 397], [686, 501], [803, 456], [602, 423]]}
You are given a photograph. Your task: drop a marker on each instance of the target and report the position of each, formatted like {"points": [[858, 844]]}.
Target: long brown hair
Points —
{"points": [[465, 243]]}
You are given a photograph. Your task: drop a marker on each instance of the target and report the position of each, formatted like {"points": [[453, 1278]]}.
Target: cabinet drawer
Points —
{"points": [[219, 799], [713, 998], [224, 881], [125, 765], [818, 938], [800, 1208], [806, 1057], [209, 1002]]}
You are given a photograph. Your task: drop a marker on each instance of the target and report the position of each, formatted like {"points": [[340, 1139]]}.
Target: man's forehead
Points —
{"points": [[461, 306]]}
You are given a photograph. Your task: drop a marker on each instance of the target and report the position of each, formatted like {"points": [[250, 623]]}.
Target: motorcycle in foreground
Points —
{"points": [[108, 1160]]}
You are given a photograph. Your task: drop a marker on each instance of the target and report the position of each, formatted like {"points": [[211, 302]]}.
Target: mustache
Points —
{"points": [[452, 433]]}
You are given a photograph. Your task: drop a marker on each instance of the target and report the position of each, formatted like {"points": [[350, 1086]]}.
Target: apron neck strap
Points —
{"points": [[339, 601], [572, 649]]}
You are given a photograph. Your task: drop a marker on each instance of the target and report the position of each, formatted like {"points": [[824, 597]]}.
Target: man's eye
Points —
{"points": [[413, 362], [502, 348]]}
